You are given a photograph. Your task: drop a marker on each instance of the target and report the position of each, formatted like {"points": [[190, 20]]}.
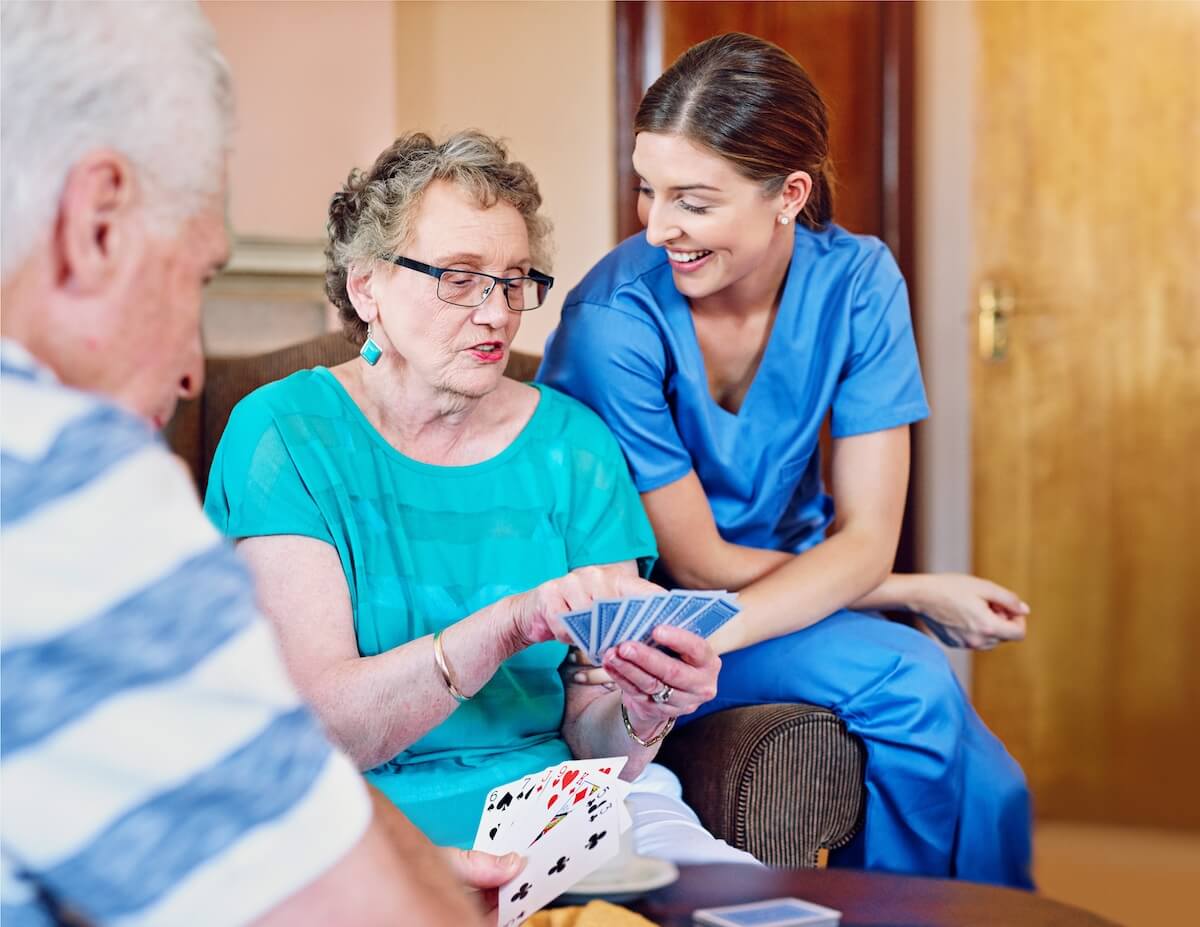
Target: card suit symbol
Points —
{"points": [[570, 777], [560, 865], [522, 891], [504, 802], [606, 770], [493, 831], [595, 809], [595, 839], [553, 799], [579, 796]]}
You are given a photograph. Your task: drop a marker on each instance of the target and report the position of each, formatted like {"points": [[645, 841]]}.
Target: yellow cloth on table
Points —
{"points": [[593, 914]]}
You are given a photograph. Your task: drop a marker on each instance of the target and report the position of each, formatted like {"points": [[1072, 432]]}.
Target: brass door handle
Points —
{"points": [[995, 308]]}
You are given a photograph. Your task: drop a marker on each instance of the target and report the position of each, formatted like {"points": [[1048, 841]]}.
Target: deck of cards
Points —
{"points": [[778, 912], [612, 621], [566, 821]]}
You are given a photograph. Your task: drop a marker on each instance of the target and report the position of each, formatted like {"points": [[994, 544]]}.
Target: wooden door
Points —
{"points": [[1087, 431], [860, 55]]}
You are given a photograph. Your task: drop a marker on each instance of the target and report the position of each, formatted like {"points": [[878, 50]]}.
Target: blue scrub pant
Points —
{"points": [[944, 798]]}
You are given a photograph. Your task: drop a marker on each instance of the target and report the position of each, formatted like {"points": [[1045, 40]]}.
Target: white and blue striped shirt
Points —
{"points": [[156, 765]]}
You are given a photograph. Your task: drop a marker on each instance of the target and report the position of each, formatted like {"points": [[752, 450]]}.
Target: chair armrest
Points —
{"points": [[779, 781], [521, 366]]}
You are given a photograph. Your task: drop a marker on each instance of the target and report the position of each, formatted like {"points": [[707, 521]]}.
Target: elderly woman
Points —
{"points": [[418, 523]]}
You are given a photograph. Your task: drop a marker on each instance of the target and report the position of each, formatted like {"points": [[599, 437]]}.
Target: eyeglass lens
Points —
{"points": [[464, 288]]}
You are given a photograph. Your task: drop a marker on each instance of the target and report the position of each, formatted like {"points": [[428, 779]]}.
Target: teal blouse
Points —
{"points": [[422, 546]]}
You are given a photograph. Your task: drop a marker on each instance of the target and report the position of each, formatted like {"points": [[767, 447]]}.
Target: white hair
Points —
{"points": [[143, 78]]}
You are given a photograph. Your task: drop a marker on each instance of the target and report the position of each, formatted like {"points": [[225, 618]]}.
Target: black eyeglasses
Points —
{"points": [[469, 288]]}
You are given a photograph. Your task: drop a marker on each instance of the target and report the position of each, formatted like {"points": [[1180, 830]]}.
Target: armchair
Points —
{"points": [[784, 782]]}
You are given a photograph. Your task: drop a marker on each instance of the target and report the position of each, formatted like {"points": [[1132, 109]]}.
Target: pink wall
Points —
{"points": [[325, 86], [316, 95]]}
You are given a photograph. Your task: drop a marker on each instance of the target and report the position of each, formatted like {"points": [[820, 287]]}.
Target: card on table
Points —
{"points": [[778, 912]]}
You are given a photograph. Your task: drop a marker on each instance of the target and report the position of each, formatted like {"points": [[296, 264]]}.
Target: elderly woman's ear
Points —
{"points": [[359, 287]]}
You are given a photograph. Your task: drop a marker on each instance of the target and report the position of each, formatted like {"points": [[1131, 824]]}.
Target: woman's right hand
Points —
{"points": [[536, 614]]}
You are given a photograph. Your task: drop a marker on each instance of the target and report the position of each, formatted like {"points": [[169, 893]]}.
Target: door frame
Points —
{"points": [[945, 164]]}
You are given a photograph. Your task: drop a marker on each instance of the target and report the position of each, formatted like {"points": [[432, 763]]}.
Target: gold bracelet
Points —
{"points": [[439, 657], [666, 729]]}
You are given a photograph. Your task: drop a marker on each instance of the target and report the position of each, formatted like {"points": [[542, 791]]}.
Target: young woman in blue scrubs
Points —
{"points": [[714, 345]]}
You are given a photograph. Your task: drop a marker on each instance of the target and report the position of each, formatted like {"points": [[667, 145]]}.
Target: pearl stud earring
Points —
{"points": [[784, 220]]}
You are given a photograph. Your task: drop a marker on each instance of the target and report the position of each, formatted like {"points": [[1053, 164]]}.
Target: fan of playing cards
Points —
{"points": [[612, 621], [566, 821]]}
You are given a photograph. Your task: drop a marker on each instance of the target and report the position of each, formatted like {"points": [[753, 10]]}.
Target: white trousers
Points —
{"points": [[666, 828]]}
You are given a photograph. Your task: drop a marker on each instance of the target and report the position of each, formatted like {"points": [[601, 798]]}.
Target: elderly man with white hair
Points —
{"points": [[158, 766]]}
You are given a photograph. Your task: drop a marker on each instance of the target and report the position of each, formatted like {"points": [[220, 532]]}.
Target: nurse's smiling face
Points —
{"points": [[720, 230]]}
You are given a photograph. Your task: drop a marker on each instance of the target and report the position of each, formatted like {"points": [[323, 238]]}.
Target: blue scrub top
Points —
{"points": [[842, 341]]}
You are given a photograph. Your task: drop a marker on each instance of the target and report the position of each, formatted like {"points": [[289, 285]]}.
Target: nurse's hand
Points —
{"points": [[640, 672], [536, 615], [966, 611]]}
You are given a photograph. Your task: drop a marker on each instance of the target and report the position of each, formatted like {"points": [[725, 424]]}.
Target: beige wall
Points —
{"points": [[325, 86], [315, 95], [552, 98]]}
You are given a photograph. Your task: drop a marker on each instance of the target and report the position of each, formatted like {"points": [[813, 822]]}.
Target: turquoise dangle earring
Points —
{"points": [[371, 352]]}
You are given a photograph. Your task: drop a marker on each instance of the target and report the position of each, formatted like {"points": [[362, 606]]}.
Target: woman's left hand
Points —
{"points": [[640, 671]]}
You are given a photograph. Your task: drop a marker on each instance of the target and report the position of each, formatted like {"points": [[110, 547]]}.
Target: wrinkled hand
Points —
{"points": [[536, 614], [483, 873], [966, 611], [639, 671]]}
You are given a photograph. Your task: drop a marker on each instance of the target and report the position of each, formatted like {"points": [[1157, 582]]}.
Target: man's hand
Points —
{"points": [[483, 873]]}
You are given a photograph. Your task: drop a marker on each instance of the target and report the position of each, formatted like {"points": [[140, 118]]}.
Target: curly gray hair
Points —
{"points": [[373, 213]]}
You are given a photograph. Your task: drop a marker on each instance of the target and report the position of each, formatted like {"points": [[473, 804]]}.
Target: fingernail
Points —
{"points": [[581, 677], [1025, 606], [627, 650], [610, 686]]}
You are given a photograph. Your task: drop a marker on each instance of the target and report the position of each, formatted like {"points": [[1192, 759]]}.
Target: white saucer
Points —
{"points": [[639, 875]]}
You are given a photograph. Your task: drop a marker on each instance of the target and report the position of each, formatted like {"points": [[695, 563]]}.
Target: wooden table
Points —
{"points": [[864, 898]]}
